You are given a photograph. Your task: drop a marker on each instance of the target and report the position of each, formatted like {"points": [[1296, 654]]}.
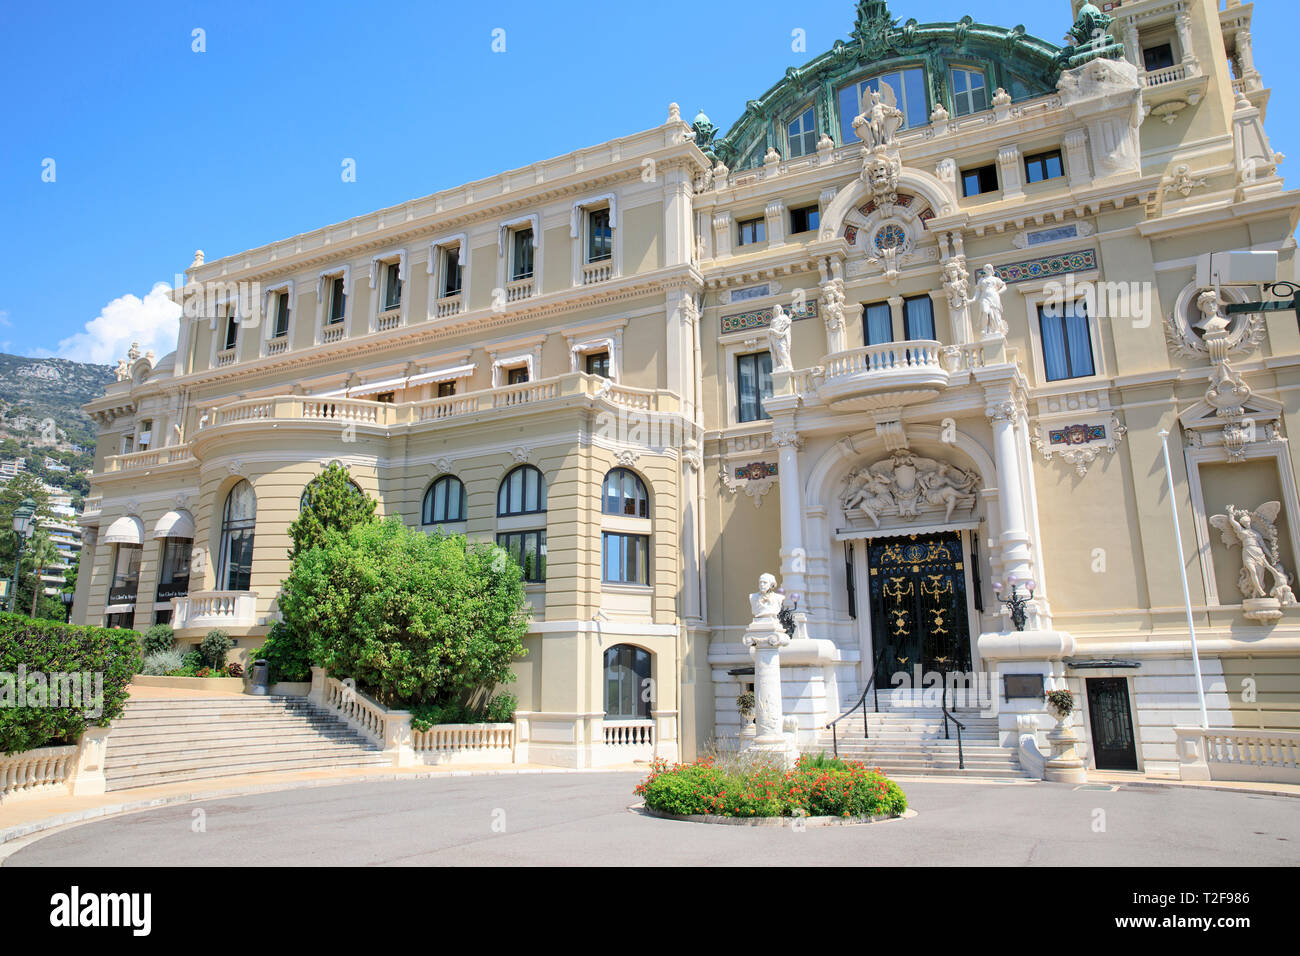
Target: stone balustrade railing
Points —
{"points": [[1170, 74], [629, 733], [215, 609], [1271, 756], [149, 458], [391, 730], [887, 357], [597, 272], [388, 320], [447, 306], [363, 412], [66, 769]]}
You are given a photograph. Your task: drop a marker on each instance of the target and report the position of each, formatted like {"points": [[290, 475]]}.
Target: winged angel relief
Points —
{"points": [[1256, 533], [905, 485]]}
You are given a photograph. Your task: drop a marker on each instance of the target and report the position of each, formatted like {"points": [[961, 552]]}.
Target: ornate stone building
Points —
{"points": [[908, 334]]}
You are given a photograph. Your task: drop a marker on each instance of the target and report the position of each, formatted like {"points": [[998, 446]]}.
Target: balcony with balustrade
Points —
{"points": [[575, 389], [201, 611], [889, 375], [150, 460]]}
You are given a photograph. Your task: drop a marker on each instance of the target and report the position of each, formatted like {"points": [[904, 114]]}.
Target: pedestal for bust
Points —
{"points": [[765, 637], [1065, 765]]}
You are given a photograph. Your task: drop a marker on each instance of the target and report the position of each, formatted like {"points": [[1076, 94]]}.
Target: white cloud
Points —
{"points": [[151, 321]]}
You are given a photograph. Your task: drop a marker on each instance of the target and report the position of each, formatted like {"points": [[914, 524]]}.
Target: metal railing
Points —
{"points": [[871, 689], [943, 703]]}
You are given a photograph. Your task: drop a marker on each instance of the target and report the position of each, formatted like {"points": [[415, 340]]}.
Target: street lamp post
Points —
{"points": [[24, 524]]}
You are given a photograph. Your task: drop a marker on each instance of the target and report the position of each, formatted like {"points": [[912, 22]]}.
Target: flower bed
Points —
{"points": [[818, 786]]}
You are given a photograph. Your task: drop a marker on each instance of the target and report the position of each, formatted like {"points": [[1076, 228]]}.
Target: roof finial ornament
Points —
{"points": [[198, 258]]}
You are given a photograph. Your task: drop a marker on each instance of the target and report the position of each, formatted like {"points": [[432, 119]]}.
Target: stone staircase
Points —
{"points": [[172, 740], [910, 742]]}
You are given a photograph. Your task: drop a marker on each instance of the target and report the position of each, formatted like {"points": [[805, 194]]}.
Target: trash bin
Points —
{"points": [[261, 676]]}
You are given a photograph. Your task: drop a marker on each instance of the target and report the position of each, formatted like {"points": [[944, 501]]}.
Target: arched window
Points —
{"points": [[522, 492], [235, 559], [627, 683], [624, 494], [444, 501]]}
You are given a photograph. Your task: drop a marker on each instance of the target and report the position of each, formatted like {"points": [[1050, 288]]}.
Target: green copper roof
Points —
{"points": [[1023, 65]]}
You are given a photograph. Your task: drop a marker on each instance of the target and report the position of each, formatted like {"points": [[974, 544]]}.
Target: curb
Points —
{"points": [[642, 809], [92, 814]]}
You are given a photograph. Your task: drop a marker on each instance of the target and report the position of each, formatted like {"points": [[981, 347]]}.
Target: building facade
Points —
{"points": [[908, 334]]}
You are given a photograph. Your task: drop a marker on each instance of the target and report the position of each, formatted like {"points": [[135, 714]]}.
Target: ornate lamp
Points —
{"points": [[1015, 601]]}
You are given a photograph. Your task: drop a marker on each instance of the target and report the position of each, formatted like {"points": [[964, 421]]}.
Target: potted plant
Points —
{"points": [[746, 704], [1060, 704]]}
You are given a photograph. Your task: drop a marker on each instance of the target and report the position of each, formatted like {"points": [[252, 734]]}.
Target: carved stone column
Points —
{"points": [[1183, 24], [1004, 413], [793, 556]]}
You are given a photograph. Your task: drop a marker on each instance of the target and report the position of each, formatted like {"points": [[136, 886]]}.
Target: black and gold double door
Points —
{"points": [[918, 603]]}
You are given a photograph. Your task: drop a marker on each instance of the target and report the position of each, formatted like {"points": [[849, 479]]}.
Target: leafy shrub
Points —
{"points": [[214, 648], [47, 647], [161, 663], [499, 710], [331, 502], [414, 619], [816, 786], [287, 654], [234, 669], [1062, 700], [157, 639]]}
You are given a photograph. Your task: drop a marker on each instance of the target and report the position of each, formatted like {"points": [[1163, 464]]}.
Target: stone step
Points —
{"points": [[156, 743], [204, 756], [150, 777], [125, 731]]}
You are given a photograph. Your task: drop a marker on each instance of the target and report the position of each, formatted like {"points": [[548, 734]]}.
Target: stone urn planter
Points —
{"points": [[1065, 765]]}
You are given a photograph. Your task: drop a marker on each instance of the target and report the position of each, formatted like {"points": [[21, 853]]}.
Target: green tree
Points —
{"points": [[42, 554], [331, 501], [12, 494], [415, 619]]}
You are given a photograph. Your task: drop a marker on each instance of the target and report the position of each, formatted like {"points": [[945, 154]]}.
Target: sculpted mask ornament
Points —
{"points": [[905, 485], [1256, 533], [778, 340], [881, 174], [988, 296]]}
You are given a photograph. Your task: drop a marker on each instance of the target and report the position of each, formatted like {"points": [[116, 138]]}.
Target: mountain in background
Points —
{"points": [[41, 416]]}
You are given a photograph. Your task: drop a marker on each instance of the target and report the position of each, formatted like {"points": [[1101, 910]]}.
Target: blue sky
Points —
{"points": [[160, 150]]}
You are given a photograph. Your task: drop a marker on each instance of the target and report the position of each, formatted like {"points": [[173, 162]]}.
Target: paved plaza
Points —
{"points": [[584, 819]]}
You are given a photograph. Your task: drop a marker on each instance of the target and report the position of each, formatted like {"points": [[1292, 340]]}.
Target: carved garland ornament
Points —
{"points": [[907, 486]]}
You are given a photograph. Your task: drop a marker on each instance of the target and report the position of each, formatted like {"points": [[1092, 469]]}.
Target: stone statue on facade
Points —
{"points": [[1212, 321], [1256, 533], [778, 340], [880, 118], [833, 304], [765, 637], [988, 296], [765, 603]]}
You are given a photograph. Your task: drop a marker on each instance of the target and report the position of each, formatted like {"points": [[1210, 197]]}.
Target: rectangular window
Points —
{"points": [[528, 548], [909, 95], [598, 364], [970, 94], [174, 571], [805, 219], [1044, 166], [753, 384], [446, 389], [144, 435], [281, 315], [521, 254], [877, 324], [338, 300], [386, 398], [801, 134], [918, 317], [1067, 342], [451, 277], [126, 574], [751, 231], [1158, 57], [517, 375], [232, 331], [600, 237], [982, 179], [625, 558], [392, 286]]}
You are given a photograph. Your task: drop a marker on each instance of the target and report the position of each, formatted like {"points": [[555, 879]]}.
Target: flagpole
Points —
{"points": [[1182, 569]]}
